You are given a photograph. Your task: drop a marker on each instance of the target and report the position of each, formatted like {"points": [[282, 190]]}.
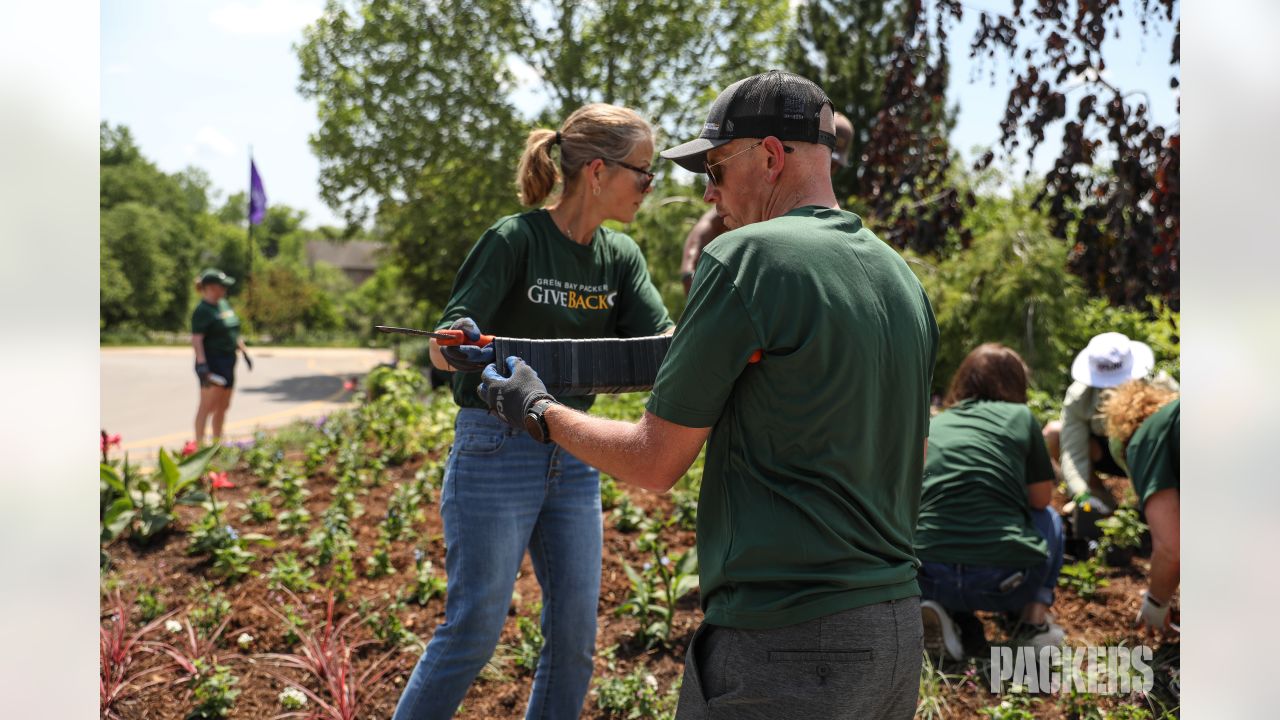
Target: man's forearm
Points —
{"points": [[621, 449]]}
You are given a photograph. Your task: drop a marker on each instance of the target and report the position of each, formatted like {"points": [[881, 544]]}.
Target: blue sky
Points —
{"points": [[199, 81]]}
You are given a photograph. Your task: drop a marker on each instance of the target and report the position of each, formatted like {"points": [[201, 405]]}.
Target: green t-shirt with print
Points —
{"points": [[813, 464], [219, 325], [525, 279], [1153, 453], [974, 511]]}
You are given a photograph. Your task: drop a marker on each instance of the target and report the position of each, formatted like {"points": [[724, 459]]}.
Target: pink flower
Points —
{"points": [[105, 441], [190, 448], [349, 385], [218, 480]]}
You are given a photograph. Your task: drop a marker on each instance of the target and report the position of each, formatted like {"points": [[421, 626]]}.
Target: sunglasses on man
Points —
{"points": [[714, 176]]}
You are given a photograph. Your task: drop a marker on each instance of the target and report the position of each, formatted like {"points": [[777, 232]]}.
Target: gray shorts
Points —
{"points": [[860, 663]]}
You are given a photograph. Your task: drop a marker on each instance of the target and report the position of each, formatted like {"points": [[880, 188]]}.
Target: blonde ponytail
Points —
{"points": [[537, 174], [592, 131]]}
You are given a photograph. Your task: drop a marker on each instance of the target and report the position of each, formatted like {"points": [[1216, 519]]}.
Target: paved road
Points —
{"points": [[149, 395]]}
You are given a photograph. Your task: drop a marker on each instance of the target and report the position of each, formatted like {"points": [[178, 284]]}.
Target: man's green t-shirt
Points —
{"points": [[813, 465], [1153, 453], [974, 511], [219, 325], [525, 279]]}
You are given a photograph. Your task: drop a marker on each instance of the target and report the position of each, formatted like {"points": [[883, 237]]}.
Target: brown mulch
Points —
{"points": [[165, 567]]}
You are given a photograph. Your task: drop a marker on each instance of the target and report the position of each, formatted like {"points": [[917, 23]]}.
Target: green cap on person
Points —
{"points": [[214, 275]]}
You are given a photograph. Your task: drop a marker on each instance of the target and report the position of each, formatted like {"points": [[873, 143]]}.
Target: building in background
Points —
{"points": [[357, 259]]}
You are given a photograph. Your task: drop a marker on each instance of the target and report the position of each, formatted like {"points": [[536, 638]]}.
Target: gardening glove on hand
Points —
{"points": [[511, 397], [467, 358], [1153, 614], [1088, 502], [202, 370]]}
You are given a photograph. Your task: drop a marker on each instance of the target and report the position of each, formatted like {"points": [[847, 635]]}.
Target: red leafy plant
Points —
{"points": [[327, 657], [129, 662]]}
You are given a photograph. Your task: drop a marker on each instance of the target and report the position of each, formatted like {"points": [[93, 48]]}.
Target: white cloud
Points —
{"points": [[209, 137], [266, 17]]}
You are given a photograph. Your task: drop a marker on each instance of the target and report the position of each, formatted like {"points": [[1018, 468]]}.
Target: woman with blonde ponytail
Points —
{"points": [[550, 272]]}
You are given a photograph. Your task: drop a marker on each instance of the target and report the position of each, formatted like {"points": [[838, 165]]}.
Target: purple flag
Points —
{"points": [[257, 195]]}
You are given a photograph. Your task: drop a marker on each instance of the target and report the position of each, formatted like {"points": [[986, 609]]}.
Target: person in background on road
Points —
{"points": [[814, 454], [1078, 442], [986, 537], [554, 272], [215, 335], [1143, 424], [710, 226]]}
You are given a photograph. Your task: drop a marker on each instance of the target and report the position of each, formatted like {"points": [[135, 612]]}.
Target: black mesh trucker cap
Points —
{"points": [[776, 103]]}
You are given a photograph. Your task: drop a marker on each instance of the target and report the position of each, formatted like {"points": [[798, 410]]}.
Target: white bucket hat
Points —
{"points": [[1111, 359]]}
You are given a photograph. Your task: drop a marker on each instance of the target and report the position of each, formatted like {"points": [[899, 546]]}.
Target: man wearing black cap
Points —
{"points": [[710, 226], [814, 453]]}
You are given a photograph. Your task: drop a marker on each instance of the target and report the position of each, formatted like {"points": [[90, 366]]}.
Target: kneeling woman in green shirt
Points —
{"points": [[1143, 422], [986, 536]]}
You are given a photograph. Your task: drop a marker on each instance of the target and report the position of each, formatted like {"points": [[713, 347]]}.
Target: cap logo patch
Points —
{"points": [[793, 107]]}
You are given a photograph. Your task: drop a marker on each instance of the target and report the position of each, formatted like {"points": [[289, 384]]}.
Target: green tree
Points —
{"points": [[152, 226], [890, 78], [417, 124], [145, 267]]}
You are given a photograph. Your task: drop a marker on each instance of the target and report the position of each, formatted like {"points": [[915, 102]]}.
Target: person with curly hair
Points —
{"points": [[986, 536], [1143, 426]]}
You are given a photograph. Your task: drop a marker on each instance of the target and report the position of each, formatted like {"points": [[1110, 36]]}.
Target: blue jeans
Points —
{"points": [[504, 492], [967, 588]]}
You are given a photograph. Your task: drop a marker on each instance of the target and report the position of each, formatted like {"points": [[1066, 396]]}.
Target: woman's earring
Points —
{"points": [[596, 191]]}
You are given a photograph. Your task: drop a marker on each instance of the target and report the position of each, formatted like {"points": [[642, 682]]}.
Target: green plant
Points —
{"points": [[259, 509], [529, 648], [379, 563], [210, 611], [1122, 529], [1127, 712], [295, 521], [685, 513], [610, 493], [426, 584], [656, 588], [288, 573], [935, 686], [1014, 705], [635, 695], [213, 686], [149, 604], [1084, 577], [629, 517], [1079, 704], [385, 624], [293, 623], [142, 507]]}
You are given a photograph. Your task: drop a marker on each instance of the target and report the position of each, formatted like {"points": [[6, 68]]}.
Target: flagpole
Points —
{"points": [[249, 216]]}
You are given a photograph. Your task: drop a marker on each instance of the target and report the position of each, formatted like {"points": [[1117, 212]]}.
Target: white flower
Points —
{"points": [[173, 626], [292, 698], [666, 561], [244, 641], [651, 681]]}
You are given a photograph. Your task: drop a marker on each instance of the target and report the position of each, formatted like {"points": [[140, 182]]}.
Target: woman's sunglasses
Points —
{"points": [[648, 176]]}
